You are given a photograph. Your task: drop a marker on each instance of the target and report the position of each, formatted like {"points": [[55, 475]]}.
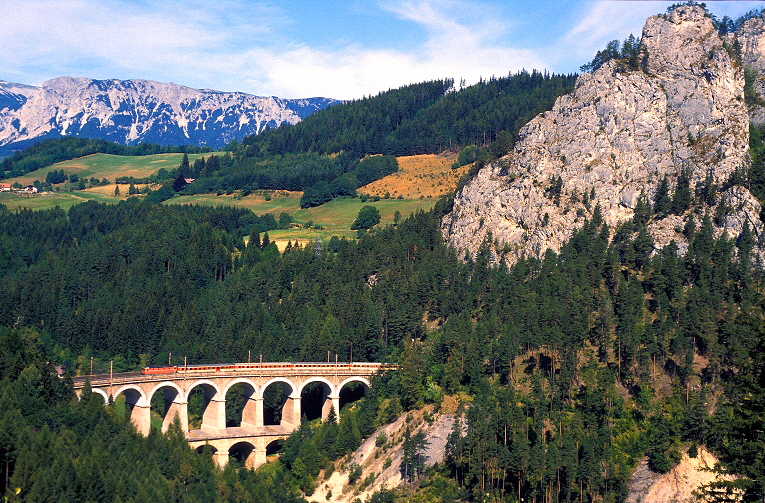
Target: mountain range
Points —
{"points": [[134, 111]]}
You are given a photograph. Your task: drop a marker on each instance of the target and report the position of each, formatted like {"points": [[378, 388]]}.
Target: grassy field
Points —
{"points": [[49, 200], [420, 181], [334, 217], [428, 175], [109, 166]]}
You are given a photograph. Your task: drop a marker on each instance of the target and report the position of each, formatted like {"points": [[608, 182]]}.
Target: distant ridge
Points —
{"points": [[135, 111]]}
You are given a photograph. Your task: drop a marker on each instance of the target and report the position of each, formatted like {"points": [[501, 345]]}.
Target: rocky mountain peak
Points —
{"points": [[134, 111], [624, 128]]}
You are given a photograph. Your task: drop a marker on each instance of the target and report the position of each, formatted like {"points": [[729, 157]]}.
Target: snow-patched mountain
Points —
{"points": [[134, 111]]}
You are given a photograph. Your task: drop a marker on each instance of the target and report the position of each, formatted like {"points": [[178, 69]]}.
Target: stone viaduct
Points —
{"points": [[254, 438]]}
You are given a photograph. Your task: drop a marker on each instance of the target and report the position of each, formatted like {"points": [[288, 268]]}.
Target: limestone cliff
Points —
{"points": [[750, 40], [616, 135], [677, 485]]}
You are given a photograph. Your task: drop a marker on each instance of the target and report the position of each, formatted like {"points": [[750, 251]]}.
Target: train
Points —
{"points": [[243, 367]]}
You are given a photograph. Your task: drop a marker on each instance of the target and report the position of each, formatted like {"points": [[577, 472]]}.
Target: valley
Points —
{"points": [[565, 270]]}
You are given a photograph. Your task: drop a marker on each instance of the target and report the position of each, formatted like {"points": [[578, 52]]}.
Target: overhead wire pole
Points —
{"points": [[111, 377]]}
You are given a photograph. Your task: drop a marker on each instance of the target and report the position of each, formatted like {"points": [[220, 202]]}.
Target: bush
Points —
{"points": [[368, 217], [354, 473], [662, 461]]}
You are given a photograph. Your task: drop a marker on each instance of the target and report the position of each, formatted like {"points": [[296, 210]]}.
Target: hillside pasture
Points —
{"points": [[109, 166], [330, 219], [428, 175], [48, 200]]}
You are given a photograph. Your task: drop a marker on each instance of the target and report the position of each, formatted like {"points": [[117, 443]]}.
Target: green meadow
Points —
{"points": [[64, 200], [109, 166], [332, 218]]}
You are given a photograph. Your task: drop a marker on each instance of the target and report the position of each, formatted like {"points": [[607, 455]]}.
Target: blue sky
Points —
{"points": [[294, 49]]}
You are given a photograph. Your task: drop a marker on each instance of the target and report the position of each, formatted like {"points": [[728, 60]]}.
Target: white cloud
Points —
{"points": [[456, 47], [239, 45], [235, 45], [48, 37], [602, 22]]}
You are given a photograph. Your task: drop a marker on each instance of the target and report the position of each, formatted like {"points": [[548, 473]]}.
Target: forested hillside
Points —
{"points": [[322, 152], [419, 119], [576, 365], [328, 153]]}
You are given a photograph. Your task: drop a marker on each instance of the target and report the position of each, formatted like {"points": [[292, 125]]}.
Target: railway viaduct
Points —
{"points": [[253, 439]]}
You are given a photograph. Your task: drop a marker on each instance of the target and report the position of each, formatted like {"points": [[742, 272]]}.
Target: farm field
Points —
{"points": [[420, 181], [334, 217], [110, 166], [47, 200], [428, 175]]}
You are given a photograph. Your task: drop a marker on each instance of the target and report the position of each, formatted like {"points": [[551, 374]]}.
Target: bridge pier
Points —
{"points": [[214, 417], [332, 401], [258, 456], [221, 458], [291, 412], [175, 405], [141, 418], [252, 415]]}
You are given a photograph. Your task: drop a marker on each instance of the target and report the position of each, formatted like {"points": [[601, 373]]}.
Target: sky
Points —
{"points": [[343, 49]]}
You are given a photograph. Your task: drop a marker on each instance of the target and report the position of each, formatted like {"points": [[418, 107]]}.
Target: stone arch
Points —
{"points": [[278, 379], [312, 380], [240, 380], [345, 396], [316, 403], [175, 404], [99, 391], [136, 407], [250, 411], [274, 446], [202, 448], [210, 405], [204, 383], [134, 395], [244, 452], [286, 409]]}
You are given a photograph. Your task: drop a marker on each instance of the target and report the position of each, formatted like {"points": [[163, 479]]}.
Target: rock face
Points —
{"points": [[751, 38], [134, 111], [616, 135], [677, 485]]}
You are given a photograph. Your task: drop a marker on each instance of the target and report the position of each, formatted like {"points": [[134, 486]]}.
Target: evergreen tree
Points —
{"points": [[661, 200], [681, 199]]}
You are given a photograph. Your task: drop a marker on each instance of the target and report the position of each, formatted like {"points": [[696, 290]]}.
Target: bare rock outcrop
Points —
{"points": [[614, 137], [677, 485], [750, 40]]}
